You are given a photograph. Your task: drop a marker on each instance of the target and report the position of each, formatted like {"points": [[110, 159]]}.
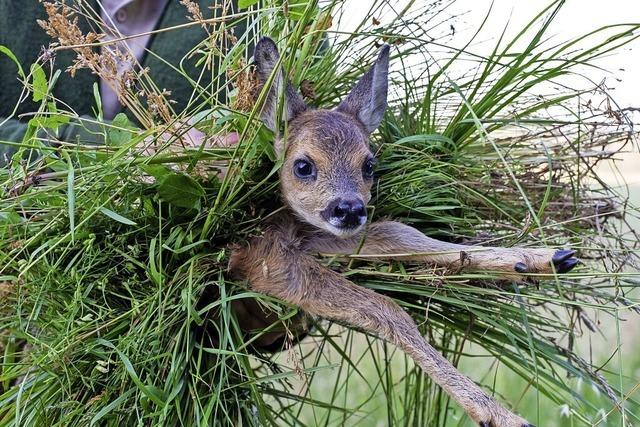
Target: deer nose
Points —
{"points": [[343, 213]]}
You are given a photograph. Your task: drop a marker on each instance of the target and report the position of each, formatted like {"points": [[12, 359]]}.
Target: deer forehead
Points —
{"points": [[330, 138]]}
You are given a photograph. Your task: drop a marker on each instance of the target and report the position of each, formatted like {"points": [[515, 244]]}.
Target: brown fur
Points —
{"points": [[387, 240], [338, 147], [279, 263], [276, 264]]}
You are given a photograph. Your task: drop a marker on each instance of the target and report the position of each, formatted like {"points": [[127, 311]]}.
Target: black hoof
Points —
{"points": [[483, 424], [563, 260], [528, 425], [520, 267], [567, 265], [562, 255]]}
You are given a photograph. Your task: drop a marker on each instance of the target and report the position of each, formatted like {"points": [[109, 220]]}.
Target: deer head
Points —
{"points": [[327, 169]]}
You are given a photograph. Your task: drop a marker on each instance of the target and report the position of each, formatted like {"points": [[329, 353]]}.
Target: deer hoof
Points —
{"points": [[562, 255], [567, 265], [521, 267], [564, 261]]}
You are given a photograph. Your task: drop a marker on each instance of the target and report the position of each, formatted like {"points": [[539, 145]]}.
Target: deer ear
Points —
{"points": [[367, 101], [266, 57]]}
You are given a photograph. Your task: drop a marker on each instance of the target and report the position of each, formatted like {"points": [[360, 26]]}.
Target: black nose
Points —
{"points": [[343, 213]]}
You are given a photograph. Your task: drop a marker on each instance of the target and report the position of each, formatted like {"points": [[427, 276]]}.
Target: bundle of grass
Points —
{"points": [[113, 258]]}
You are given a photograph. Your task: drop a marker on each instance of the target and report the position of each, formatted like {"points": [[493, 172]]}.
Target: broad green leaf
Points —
{"points": [[118, 134], [156, 171], [296, 8], [40, 83], [181, 190], [7, 51], [49, 121], [243, 4]]}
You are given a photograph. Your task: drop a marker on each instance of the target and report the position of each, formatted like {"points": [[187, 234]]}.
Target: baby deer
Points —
{"points": [[326, 179]]}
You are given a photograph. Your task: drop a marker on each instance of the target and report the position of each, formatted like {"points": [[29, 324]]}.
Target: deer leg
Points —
{"points": [[394, 240], [273, 265]]}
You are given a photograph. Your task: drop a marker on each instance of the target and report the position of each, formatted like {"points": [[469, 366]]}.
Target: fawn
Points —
{"points": [[326, 178]]}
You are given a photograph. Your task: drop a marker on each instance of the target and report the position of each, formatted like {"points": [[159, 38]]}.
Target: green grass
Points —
{"points": [[371, 404], [110, 276]]}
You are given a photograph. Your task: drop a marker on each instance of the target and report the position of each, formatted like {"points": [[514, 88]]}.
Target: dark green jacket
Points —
{"points": [[20, 33]]}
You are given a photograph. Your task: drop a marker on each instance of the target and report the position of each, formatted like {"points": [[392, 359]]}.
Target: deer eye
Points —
{"points": [[304, 169], [368, 167]]}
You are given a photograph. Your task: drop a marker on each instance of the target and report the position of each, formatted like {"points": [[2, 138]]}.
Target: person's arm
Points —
{"points": [[90, 131]]}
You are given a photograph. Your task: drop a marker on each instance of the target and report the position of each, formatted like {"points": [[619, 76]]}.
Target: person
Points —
{"points": [[26, 39], [159, 52]]}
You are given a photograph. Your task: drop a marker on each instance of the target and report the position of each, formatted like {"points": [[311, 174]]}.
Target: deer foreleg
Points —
{"points": [[394, 240], [273, 264]]}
